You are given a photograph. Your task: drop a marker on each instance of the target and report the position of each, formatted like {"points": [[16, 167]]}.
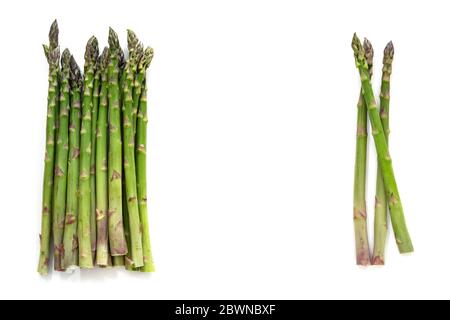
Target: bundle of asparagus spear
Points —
{"points": [[387, 195], [94, 210]]}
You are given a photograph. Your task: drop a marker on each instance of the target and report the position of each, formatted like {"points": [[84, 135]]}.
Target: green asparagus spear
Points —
{"points": [[60, 174], [395, 206], [129, 165], [133, 48], [70, 228], [52, 55], [115, 222], [359, 196], [141, 164], [84, 217], [95, 103], [141, 169], [101, 164], [127, 259], [381, 206]]}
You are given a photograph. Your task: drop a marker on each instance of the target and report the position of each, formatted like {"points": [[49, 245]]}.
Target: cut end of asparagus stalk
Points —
{"points": [[388, 53], [368, 50], [363, 258], [53, 35], [378, 261]]}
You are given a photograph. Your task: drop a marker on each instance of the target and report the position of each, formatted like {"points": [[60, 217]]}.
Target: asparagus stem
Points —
{"points": [[115, 222], [95, 106], [395, 206], [135, 50], [70, 228], [381, 206], [101, 165], [110, 258], [141, 167], [359, 193], [84, 218], [126, 260], [52, 55], [129, 264], [118, 261], [60, 174], [110, 261], [141, 159], [129, 165]]}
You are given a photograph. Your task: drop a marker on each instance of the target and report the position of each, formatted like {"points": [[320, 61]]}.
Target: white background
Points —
{"points": [[252, 141]]}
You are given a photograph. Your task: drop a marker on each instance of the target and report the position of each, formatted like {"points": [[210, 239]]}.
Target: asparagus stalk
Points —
{"points": [[84, 218], [395, 206], [60, 174], [52, 55], [110, 262], [381, 206], [95, 106], [129, 264], [141, 166], [129, 165], [101, 164], [70, 228], [135, 50], [359, 193], [118, 261], [126, 260], [115, 222]]}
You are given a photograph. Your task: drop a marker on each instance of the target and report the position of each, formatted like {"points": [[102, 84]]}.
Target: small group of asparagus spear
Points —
{"points": [[387, 195], [94, 210]]}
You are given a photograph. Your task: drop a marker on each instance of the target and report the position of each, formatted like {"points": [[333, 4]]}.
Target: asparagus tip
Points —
{"points": [[358, 49], [356, 43], [53, 35], [132, 39], [91, 54], [65, 58], [146, 58], [121, 57], [139, 52], [388, 53], [368, 50], [113, 39], [75, 73], [104, 59]]}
